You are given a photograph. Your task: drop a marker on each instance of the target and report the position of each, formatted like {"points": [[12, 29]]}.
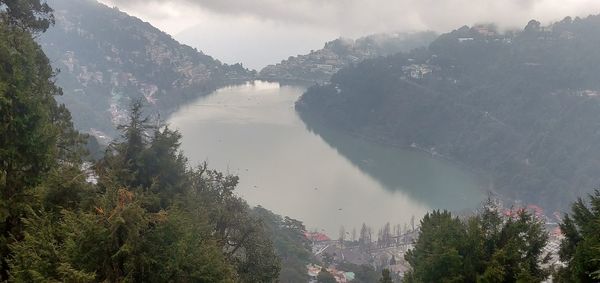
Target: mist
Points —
{"points": [[262, 32]]}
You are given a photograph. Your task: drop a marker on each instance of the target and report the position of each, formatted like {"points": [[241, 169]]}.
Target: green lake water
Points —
{"points": [[325, 178]]}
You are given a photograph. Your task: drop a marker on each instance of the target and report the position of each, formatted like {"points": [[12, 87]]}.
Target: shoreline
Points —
{"points": [[483, 179]]}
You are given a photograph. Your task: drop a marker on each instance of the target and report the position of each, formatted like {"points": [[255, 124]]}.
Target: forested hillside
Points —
{"points": [[521, 106], [107, 59], [320, 65], [141, 213]]}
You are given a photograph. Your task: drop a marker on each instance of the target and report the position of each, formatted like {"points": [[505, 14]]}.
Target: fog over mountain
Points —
{"points": [[373, 141], [268, 26]]}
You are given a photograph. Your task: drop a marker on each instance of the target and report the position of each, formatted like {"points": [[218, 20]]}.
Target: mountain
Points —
{"points": [[521, 106], [107, 59], [320, 65]]}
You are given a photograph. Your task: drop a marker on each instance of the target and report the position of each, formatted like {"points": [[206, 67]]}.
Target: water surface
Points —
{"points": [[327, 180]]}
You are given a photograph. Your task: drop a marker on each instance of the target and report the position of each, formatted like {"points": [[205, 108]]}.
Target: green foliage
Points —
{"points": [[149, 218], [65, 187], [241, 235], [37, 258], [36, 134], [519, 106], [119, 242], [580, 247], [152, 168], [109, 59], [93, 147], [343, 52], [363, 273], [289, 242], [437, 254], [28, 136], [135, 245], [483, 248], [30, 15], [325, 277], [385, 276], [148, 158]]}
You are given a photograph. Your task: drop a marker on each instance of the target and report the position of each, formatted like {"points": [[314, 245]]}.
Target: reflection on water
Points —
{"points": [[435, 182], [327, 179]]}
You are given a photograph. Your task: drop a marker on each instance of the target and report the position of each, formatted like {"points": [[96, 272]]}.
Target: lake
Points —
{"points": [[323, 177]]}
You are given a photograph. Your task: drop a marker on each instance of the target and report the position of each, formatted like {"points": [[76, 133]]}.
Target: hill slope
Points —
{"points": [[108, 58], [522, 106], [320, 65]]}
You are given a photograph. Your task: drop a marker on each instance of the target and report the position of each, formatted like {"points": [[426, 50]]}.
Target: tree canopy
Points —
{"points": [[30, 15], [580, 249], [148, 216], [487, 247], [37, 139], [520, 106]]}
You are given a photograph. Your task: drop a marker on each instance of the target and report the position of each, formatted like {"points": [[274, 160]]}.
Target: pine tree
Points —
{"points": [[36, 134], [240, 235], [436, 256], [29, 15], [386, 276], [150, 218], [581, 245], [486, 247]]}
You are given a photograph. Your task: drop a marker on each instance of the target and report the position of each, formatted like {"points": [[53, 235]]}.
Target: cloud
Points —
{"points": [[367, 16], [261, 32]]}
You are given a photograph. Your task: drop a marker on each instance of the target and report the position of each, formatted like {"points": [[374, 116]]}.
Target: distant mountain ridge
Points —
{"points": [[318, 66], [521, 106], [108, 58]]}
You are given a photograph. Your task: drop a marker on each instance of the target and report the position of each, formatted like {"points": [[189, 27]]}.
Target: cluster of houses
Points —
{"points": [[377, 254], [389, 254], [319, 65], [489, 33], [416, 71]]}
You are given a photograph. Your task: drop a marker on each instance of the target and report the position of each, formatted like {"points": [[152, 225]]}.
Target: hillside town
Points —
{"points": [[387, 249], [319, 65]]}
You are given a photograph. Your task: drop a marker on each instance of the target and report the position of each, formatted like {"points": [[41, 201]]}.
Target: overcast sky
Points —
{"points": [[261, 32]]}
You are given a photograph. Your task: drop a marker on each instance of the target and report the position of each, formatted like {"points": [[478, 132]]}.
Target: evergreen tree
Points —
{"points": [[325, 277], [119, 241], [164, 169], [386, 276], [36, 134], [486, 247], [289, 242], [39, 256], [29, 15], [153, 167], [124, 157], [581, 245], [150, 218], [240, 234], [437, 253]]}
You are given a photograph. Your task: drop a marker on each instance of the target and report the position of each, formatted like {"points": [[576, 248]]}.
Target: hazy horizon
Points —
{"points": [[257, 33]]}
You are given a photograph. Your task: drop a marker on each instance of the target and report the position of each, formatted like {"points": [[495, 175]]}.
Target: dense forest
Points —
{"points": [[519, 106], [141, 213], [491, 246], [108, 59]]}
